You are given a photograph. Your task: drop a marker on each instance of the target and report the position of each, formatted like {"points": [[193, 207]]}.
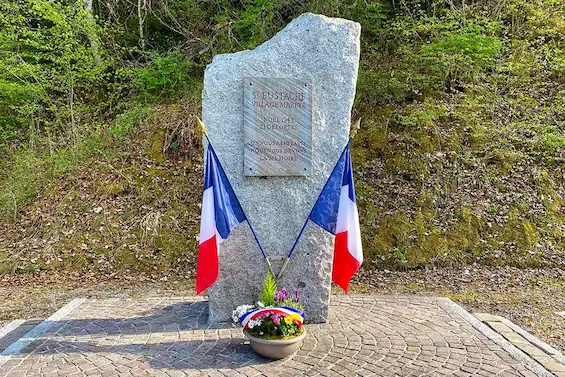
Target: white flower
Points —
{"points": [[260, 304], [251, 324], [241, 310]]}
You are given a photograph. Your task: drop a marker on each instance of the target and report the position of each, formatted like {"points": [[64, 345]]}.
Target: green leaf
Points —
{"points": [[269, 289]]}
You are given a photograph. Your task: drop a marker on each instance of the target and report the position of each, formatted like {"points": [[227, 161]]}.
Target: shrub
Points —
{"points": [[458, 57], [166, 75]]}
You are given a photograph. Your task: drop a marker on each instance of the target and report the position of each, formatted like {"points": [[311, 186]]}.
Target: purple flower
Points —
{"points": [[276, 318], [297, 295], [281, 295]]}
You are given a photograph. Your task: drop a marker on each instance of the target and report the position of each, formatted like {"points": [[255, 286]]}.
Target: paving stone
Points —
{"points": [[365, 335], [530, 349], [550, 363], [500, 327], [487, 317]]}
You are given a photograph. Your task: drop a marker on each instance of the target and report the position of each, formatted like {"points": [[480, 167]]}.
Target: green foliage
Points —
{"points": [[49, 70], [30, 170], [125, 121], [459, 57], [269, 289], [166, 75], [251, 24], [459, 158]]}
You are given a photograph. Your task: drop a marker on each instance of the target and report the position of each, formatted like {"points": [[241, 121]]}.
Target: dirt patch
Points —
{"points": [[36, 297]]}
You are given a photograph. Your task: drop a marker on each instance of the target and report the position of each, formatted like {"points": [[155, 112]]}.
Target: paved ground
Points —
{"points": [[14, 330], [550, 358], [365, 335]]}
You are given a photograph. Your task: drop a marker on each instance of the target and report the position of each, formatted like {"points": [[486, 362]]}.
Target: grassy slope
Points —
{"points": [[459, 160], [131, 207]]}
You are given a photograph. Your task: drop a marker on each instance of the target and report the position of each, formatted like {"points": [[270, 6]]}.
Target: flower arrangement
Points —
{"points": [[278, 315], [275, 325]]}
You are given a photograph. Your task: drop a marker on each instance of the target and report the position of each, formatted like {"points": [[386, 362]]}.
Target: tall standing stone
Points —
{"points": [[324, 52]]}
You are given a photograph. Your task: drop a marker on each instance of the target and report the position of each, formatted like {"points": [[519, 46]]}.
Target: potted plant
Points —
{"points": [[274, 325]]}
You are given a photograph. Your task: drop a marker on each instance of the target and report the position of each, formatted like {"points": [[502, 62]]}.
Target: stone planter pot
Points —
{"points": [[275, 349]]}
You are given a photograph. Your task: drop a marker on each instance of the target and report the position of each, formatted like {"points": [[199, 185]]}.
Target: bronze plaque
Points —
{"points": [[277, 117]]}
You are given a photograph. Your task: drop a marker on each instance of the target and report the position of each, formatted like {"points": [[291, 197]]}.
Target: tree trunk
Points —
{"points": [[87, 5], [141, 20]]}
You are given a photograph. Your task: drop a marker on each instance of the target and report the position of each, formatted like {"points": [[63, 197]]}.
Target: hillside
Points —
{"points": [[459, 159]]}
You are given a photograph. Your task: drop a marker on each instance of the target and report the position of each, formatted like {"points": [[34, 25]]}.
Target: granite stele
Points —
{"points": [[278, 149]]}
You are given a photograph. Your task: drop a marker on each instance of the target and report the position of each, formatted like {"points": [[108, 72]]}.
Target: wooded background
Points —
{"points": [[459, 159]]}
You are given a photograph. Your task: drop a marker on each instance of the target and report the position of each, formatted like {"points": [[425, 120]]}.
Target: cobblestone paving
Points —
{"points": [[17, 333], [365, 336]]}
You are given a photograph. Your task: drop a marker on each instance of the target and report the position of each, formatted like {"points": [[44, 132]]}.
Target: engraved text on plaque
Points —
{"points": [[277, 126]]}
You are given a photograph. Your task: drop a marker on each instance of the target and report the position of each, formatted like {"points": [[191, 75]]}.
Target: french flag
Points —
{"points": [[336, 211], [221, 212]]}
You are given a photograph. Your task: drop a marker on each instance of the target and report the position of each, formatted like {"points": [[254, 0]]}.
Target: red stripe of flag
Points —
{"points": [[344, 264], [208, 265]]}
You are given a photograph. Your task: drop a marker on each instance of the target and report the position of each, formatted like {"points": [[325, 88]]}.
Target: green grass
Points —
{"points": [[33, 167]]}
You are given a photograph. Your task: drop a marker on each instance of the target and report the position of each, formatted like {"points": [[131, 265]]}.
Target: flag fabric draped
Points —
{"points": [[336, 211], [221, 212]]}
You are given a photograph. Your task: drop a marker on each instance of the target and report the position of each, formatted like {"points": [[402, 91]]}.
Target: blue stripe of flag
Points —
{"points": [[348, 175], [228, 210], [325, 210]]}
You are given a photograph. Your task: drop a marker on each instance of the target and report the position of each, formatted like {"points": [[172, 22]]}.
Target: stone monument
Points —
{"points": [[278, 117]]}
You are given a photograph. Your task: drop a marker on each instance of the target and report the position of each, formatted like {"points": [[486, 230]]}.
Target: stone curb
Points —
{"points": [[534, 340], [543, 353], [38, 330], [514, 351]]}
